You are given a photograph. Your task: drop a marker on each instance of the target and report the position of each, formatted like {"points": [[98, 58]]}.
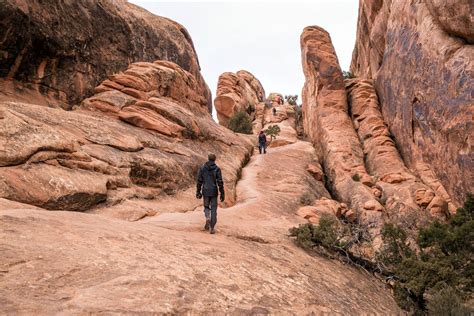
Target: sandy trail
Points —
{"points": [[65, 262]]}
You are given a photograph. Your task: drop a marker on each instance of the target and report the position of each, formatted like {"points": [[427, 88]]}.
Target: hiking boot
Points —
{"points": [[208, 223], [212, 231]]}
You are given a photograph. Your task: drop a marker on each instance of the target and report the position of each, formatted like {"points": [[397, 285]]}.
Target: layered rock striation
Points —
{"points": [[422, 60], [236, 92], [142, 135], [401, 189], [327, 123], [55, 53]]}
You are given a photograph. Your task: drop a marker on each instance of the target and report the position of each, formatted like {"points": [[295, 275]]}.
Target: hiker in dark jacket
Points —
{"points": [[209, 184], [262, 142]]}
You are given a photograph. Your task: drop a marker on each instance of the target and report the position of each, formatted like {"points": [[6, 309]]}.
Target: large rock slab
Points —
{"points": [[236, 92], [421, 58], [60, 51]]}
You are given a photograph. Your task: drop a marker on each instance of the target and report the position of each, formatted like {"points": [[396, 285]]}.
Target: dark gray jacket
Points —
{"points": [[210, 180]]}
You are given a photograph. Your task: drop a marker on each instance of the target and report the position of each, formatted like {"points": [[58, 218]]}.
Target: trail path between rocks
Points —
{"points": [[75, 263]]}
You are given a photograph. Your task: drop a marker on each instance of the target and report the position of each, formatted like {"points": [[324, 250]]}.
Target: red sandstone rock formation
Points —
{"points": [[402, 190], [327, 123], [235, 92], [421, 58], [56, 53], [74, 160]]}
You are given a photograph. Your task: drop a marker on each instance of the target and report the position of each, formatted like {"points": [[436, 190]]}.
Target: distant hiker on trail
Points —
{"points": [[262, 142], [209, 184]]}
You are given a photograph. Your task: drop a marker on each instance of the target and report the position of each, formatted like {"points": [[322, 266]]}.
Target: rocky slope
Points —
{"points": [[422, 60], [57, 53], [166, 264], [236, 92]]}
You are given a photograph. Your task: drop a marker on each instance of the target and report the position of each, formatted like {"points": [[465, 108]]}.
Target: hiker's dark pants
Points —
{"points": [[210, 209], [262, 148]]}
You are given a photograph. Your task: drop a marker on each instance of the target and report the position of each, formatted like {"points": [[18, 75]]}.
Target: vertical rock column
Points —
{"points": [[327, 123], [402, 190]]}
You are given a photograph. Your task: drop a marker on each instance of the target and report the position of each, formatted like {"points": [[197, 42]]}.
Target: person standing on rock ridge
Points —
{"points": [[262, 142], [209, 184]]}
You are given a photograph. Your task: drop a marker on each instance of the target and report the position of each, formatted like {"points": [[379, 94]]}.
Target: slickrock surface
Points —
{"points": [[235, 92], [69, 262], [143, 135], [422, 60], [401, 189], [327, 123], [57, 53]]}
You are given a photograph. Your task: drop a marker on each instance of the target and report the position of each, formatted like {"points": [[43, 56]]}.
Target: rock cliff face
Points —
{"points": [[235, 92], [140, 135], [56, 53], [135, 138], [327, 122], [422, 60]]}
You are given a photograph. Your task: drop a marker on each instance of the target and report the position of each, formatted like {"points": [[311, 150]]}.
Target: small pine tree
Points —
{"points": [[347, 75], [273, 131], [241, 123]]}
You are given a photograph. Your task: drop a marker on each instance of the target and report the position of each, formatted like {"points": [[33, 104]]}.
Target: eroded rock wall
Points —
{"points": [[143, 135], [55, 53], [327, 123], [422, 60], [235, 92], [403, 192]]}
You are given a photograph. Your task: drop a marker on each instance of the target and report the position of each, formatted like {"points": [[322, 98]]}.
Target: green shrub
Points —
{"points": [[356, 177], [241, 123], [445, 260], [306, 198], [273, 131], [446, 302], [347, 75], [324, 234]]}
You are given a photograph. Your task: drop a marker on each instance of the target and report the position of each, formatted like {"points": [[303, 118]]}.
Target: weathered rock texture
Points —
{"points": [[327, 123], [401, 189], [142, 135], [56, 53], [236, 92], [422, 60]]}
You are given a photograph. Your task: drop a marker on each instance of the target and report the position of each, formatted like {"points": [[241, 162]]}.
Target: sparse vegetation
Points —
{"points": [[356, 177], [306, 198], [241, 123], [433, 275], [441, 265], [347, 74], [291, 99], [273, 131]]}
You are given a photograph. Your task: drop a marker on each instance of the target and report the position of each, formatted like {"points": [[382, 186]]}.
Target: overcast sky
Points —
{"points": [[262, 37]]}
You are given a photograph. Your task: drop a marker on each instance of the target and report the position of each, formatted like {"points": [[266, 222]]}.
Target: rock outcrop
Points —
{"points": [[402, 190], [422, 60], [56, 53], [143, 135], [236, 92], [327, 123]]}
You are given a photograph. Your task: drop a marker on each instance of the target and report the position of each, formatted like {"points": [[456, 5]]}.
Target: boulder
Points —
{"points": [[236, 92]]}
